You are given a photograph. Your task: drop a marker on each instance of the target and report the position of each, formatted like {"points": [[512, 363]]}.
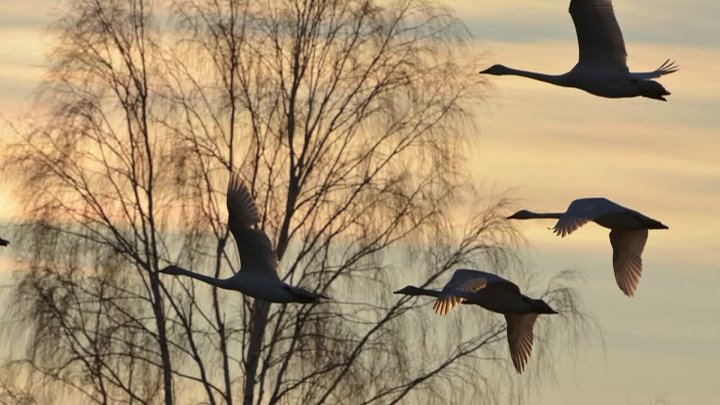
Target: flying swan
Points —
{"points": [[602, 67], [628, 233], [495, 294], [257, 276]]}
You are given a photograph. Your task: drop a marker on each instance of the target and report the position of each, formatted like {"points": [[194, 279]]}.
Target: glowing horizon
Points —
{"points": [[551, 145]]}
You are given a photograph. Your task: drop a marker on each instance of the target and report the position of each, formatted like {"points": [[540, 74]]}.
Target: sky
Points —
{"points": [[551, 145]]}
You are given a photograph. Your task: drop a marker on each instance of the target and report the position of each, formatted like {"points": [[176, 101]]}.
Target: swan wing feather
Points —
{"points": [[254, 247], [583, 210], [520, 338], [628, 246], [600, 40], [665, 69], [462, 283]]}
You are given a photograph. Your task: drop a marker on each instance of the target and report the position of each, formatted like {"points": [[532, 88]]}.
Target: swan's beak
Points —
{"points": [[484, 71]]}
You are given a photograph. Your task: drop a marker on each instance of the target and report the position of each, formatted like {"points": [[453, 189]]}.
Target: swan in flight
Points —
{"points": [[602, 66], [628, 233], [257, 276], [4, 242], [495, 294]]}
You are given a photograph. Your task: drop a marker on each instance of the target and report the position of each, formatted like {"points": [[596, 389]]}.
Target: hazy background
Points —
{"points": [[552, 145]]}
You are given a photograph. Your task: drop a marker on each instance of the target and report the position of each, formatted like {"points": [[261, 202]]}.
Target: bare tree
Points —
{"points": [[348, 119], [90, 180]]}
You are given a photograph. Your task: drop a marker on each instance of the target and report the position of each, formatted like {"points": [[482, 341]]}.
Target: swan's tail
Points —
{"points": [[542, 307], [654, 224], [307, 297], [652, 89]]}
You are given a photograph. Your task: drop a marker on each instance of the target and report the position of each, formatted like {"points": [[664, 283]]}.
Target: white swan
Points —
{"points": [[496, 294], [602, 69], [628, 233], [4, 242], [257, 276]]}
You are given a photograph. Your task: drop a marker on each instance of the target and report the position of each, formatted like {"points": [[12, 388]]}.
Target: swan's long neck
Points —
{"points": [[559, 80], [422, 291], [546, 215], [220, 283]]}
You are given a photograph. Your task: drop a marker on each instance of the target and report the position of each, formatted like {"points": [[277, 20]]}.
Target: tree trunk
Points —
{"points": [[162, 337], [261, 309]]}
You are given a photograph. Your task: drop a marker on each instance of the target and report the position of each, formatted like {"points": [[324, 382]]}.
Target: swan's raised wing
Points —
{"points": [[627, 257], [600, 40], [462, 283], [520, 338], [255, 249], [583, 210], [666, 68]]}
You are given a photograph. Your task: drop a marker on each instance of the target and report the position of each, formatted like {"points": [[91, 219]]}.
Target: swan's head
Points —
{"points": [[542, 307], [172, 270], [522, 214], [409, 290], [497, 70]]}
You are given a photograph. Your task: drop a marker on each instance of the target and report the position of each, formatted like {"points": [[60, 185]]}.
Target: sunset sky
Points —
{"points": [[552, 145]]}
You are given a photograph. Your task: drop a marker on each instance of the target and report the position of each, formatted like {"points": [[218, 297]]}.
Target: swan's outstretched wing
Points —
{"points": [[496, 282], [583, 210], [665, 69], [463, 282], [520, 338], [627, 261], [254, 247], [242, 211], [567, 224], [600, 40]]}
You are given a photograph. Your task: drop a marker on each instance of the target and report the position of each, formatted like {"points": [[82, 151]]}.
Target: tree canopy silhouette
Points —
{"points": [[347, 118]]}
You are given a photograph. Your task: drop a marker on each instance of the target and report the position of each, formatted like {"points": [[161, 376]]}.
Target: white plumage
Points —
{"points": [[629, 233], [496, 294], [257, 276], [602, 63]]}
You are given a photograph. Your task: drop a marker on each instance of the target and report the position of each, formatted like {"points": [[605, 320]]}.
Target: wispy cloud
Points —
{"points": [[692, 22], [557, 144]]}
